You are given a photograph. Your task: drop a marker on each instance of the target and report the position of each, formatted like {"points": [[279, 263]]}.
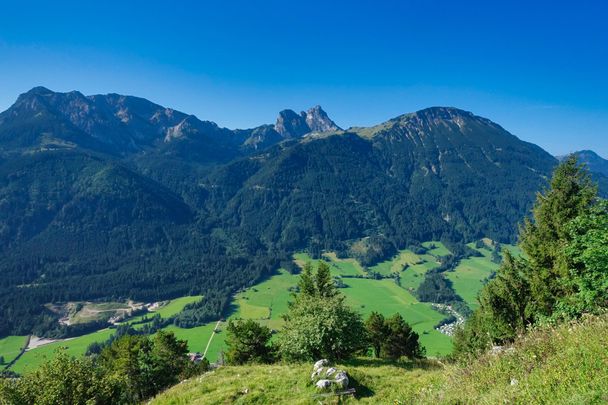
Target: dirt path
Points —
{"points": [[217, 325], [35, 342]]}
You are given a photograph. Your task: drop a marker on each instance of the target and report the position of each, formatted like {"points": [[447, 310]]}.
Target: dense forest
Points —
{"points": [[114, 197]]}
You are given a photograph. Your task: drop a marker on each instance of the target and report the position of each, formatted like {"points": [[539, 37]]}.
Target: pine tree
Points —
{"points": [[549, 279], [376, 331], [544, 238], [401, 340], [505, 300], [306, 284], [324, 284]]}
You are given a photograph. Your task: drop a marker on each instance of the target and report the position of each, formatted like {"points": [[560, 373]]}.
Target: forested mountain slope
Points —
{"points": [[115, 196], [441, 173]]}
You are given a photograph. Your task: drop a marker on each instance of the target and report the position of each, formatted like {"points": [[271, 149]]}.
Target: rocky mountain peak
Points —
{"points": [[318, 120], [291, 125], [40, 91]]}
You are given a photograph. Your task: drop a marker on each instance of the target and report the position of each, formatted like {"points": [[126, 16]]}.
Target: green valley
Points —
{"points": [[266, 302]]}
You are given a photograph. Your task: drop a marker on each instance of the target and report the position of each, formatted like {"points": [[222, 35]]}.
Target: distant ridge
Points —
{"points": [[594, 162]]}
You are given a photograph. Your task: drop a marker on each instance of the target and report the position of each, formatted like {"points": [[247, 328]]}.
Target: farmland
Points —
{"points": [[78, 346], [267, 301]]}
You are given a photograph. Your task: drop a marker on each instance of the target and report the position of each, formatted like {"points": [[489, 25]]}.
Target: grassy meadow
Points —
{"points": [[10, 347], [31, 359], [375, 381], [469, 277], [266, 302], [77, 346]]}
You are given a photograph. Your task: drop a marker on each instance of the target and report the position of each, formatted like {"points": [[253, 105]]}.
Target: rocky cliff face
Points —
{"points": [[291, 125], [318, 120]]}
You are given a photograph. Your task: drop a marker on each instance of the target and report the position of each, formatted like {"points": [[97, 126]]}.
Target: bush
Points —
{"points": [[319, 323], [248, 342], [321, 328], [63, 380]]}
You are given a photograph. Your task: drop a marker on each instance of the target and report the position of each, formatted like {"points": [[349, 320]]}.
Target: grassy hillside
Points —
{"points": [[563, 365], [375, 381]]}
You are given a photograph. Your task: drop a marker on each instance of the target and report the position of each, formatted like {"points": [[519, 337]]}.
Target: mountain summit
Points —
{"points": [[291, 125], [594, 162]]}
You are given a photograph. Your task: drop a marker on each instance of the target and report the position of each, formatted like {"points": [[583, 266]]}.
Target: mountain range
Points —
{"points": [[115, 197]]}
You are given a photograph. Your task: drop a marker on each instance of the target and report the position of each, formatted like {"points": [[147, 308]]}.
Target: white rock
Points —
{"points": [[320, 363], [323, 384], [316, 373], [342, 379], [330, 371], [342, 382]]}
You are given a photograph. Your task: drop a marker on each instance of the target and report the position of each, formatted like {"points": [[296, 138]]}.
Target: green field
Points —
{"points": [[344, 267], [405, 261], [175, 306], [387, 298], [199, 336], [470, 276], [31, 359], [10, 347], [338, 267], [436, 248], [265, 301]]}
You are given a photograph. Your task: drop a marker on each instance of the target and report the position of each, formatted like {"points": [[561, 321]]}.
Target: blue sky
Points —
{"points": [[538, 68]]}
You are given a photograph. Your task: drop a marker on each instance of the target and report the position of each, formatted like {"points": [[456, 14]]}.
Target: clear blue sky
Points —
{"points": [[538, 68]]}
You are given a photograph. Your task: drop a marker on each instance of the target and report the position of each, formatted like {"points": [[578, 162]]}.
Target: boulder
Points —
{"points": [[341, 379], [320, 363], [323, 384], [316, 374], [327, 376]]}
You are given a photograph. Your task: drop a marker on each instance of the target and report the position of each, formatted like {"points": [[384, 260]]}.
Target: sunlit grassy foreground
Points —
{"points": [[567, 364], [375, 382]]}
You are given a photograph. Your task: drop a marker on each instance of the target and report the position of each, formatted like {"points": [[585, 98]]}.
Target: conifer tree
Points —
{"points": [[544, 238], [549, 279], [324, 284], [376, 331], [401, 340], [306, 284]]}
